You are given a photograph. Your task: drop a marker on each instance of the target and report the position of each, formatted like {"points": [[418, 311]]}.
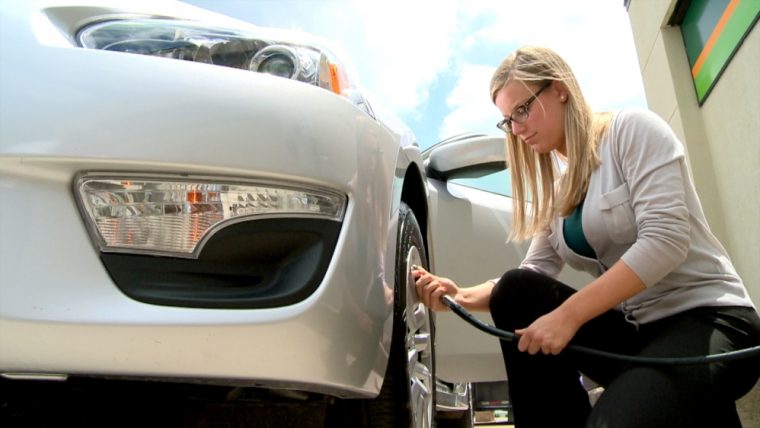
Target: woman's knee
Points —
{"points": [[518, 284], [502, 287], [508, 290], [521, 296]]}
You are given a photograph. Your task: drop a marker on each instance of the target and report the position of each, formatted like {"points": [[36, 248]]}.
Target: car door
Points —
{"points": [[470, 216]]}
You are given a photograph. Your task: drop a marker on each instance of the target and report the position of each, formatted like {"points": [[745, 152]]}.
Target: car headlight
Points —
{"points": [[192, 41], [174, 216]]}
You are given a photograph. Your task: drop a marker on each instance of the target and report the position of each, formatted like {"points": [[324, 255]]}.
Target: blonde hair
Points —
{"points": [[539, 192]]}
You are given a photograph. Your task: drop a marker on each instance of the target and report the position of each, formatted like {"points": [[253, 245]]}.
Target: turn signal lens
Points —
{"points": [[174, 217]]}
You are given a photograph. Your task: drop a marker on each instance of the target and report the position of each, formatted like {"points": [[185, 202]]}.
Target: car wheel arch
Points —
{"points": [[414, 195]]}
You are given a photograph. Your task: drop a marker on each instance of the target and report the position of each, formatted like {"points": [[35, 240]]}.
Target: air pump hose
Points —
{"points": [[651, 361]]}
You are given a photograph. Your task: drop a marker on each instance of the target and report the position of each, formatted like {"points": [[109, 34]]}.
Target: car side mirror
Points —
{"points": [[467, 156]]}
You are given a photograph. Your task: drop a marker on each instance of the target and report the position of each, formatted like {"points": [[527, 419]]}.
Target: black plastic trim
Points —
{"points": [[261, 263], [472, 171]]}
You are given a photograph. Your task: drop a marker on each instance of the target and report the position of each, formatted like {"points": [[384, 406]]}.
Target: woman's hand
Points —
{"points": [[549, 334], [431, 287]]}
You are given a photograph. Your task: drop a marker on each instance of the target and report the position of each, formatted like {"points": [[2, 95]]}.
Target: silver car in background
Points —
{"points": [[203, 217]]}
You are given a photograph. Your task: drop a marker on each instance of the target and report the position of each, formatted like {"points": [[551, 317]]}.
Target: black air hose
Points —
{"points": [[651, 361]]}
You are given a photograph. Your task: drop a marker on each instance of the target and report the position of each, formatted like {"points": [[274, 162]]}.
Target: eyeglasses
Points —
{"points": [[520, 114]]}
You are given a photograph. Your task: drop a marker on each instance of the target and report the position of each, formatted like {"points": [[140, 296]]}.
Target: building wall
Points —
{"points": [[722, 136], [722, 139]]}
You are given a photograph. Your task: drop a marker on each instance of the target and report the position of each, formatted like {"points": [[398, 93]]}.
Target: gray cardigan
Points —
{"points": [[642, 207]]}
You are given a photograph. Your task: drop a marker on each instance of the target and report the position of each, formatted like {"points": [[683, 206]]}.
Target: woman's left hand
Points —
{"points": [[549, 334]]}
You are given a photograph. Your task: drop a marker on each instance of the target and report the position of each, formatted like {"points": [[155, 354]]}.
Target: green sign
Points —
{"points": [[712, 31]]}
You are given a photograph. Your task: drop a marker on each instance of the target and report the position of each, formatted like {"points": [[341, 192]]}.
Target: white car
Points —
{"points": [[231, 227]]}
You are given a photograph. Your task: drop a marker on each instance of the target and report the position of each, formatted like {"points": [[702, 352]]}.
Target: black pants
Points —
{"points": [[546, 391]]}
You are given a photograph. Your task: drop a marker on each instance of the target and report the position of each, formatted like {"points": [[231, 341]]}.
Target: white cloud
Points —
{"points": [[471, 109], [397, 46], [593, 36], [402, 47]]}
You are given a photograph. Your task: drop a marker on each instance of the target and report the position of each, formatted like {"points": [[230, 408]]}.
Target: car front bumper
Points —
{"points": [[60, 311]]}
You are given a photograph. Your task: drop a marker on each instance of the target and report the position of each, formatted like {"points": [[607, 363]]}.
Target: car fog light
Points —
{"points": [[171, 216]]}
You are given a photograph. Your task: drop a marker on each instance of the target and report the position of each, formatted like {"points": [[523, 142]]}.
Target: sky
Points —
{"points": [[430, 61]]}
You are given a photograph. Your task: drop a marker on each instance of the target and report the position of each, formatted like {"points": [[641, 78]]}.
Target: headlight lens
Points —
{"points": [[278, 60], [174, 217], [192, 41]]}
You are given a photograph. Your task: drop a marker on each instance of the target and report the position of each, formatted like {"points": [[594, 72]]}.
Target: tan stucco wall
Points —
{"points": [[722, 136]]}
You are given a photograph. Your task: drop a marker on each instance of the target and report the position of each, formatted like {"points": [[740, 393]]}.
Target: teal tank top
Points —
{"points": [[572, 230]]}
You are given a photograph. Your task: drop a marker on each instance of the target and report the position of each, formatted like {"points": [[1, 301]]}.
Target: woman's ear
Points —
{"points": [[560, 90]]}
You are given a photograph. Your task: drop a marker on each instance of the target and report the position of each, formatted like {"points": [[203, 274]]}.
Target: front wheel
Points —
{"points": [[413, 335], [407, 398]]}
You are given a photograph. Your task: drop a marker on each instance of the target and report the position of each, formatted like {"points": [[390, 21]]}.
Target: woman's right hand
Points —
{"points": [[430, 288]]}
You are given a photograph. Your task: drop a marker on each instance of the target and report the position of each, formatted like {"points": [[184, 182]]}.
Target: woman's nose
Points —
{"points": [[518, 128]]}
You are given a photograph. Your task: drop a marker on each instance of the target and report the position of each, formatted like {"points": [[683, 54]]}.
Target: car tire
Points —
{"points": [[407, 397]]}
